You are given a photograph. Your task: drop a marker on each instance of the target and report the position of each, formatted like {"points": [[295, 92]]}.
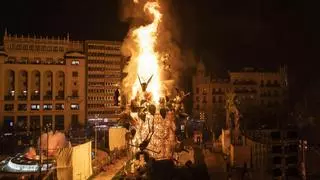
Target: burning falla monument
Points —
{"points": [[152, 112]]}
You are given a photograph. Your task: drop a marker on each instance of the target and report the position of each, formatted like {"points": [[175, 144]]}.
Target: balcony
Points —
{"points": [[22, 107], [245, 91], [217, 92], [8, 98], [73, 97], [244, 82], [59, 97], [8, 107], [59, 107], [22, 97], [47, 97], [272, 85], [35, 97]]}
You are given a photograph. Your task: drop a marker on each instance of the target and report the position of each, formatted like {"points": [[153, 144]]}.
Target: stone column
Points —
{"points": [[29, 79], [41, 89], [53, 85]]}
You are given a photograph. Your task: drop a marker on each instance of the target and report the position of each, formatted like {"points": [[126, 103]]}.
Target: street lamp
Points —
{"points": [[303, 145]]}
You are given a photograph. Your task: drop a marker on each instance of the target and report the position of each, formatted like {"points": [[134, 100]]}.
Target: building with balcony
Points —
{"points": [[43, 83], [252, 87], [104, 75]]}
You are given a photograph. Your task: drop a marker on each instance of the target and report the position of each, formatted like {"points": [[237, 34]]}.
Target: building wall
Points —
{"points": [[43, 82], [274, 150], [104, 69]]}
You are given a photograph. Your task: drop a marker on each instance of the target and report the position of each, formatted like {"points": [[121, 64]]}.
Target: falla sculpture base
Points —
{"points": [[152, 132]]}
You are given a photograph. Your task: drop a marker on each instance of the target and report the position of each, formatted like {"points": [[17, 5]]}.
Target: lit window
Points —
{"points": [[75, 62], [47, 106], [35, 106], [75, 106], [59, 106]]}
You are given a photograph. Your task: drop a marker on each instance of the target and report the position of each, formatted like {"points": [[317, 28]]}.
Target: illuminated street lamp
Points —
{"points": [[303, 146]]}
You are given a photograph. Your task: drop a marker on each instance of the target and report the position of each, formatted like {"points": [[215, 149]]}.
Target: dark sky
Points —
{"points": [[225, 33]]}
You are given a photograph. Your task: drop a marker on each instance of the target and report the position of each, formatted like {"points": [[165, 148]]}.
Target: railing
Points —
{"points": [[74, 97], [22, 97], [59, 97], [8, 98], [245, 91], [35, 97], [272, 85], [47, 97], [35, 62], [245, 83]]}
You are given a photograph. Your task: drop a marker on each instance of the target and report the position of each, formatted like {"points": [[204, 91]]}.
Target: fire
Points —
{"points": [[147, 58]]}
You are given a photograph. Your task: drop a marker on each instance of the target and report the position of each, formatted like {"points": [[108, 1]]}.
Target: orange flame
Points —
{"points": [[147, 58]]}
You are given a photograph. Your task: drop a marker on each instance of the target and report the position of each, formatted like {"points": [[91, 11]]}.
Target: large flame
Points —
{"points": [[147, 58]]}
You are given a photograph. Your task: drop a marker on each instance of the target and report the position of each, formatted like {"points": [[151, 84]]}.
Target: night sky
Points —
{"points": [[227, 34]]}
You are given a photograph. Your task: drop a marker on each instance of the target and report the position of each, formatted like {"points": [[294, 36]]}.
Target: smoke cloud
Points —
{"points": [[173, 62]]}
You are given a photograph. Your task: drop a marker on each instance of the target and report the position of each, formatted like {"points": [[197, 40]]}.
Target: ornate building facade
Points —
{"points": [[252, 88], [43, 83], [104, 68]]}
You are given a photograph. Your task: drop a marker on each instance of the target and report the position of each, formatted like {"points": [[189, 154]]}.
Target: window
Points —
{"points": [[59, 106], [277, 149], [22, 107], [277, 160], [35, 107], [75, 106], [268, 82], [35, 123], [74, 73], [47, 107], [59, 122], [275, 135], [204, 91], [21, 124], [75, 62], [292, 135], [8, 107], [213, 99], [204, 100], [47, 121], [75, 93], [74, 120]]}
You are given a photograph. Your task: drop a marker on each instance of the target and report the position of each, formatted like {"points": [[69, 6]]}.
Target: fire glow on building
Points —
{"points": [[152, 112]]}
